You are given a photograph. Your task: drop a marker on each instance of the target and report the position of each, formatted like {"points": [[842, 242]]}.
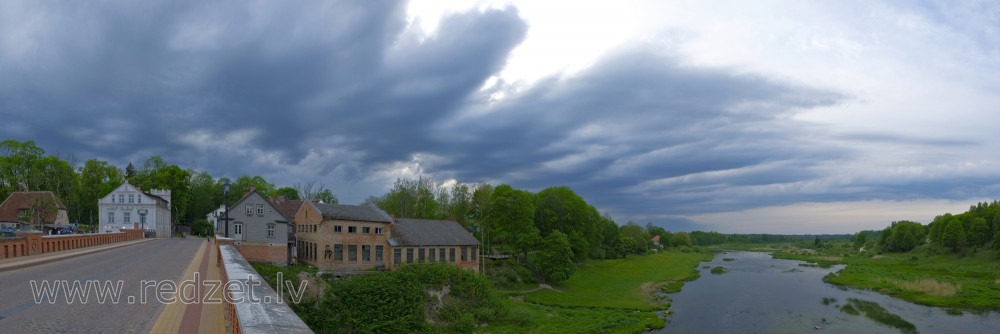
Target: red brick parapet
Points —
{"points": [[34, 243]]}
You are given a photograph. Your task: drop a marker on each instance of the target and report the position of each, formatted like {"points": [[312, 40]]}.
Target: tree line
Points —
{"points": [[25, 166], [555, 226], [975, 229]]}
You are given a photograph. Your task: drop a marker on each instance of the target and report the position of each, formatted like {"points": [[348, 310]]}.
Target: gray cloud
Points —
{"points": [[344, 91]]}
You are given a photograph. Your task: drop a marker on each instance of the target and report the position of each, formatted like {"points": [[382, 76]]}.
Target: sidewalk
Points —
{"points": [[189, 313], [27, 261]]}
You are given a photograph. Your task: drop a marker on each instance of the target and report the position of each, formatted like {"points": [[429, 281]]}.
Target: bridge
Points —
{"points": [[120, 282]]}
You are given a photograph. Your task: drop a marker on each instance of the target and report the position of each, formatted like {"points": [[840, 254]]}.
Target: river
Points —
{"points": [[760, 294]]}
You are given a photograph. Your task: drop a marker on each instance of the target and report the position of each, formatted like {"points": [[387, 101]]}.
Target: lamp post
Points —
{"points": [[142, 219], [225, 190]]}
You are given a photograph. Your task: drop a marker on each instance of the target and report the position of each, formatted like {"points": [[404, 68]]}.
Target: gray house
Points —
{"points": [[259, 229]]}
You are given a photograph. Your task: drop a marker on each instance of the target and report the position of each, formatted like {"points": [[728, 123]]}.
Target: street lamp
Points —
{"points": [[225, 190], [142, 219]]}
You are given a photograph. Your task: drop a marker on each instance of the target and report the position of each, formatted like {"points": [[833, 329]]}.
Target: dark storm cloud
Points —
{"points": [[327, 90]]}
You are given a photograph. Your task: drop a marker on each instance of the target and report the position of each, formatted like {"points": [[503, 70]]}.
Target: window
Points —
{"points": [[352, 229], [452, 254], [465, 254], [139, 199], [475, 252], [366, 253], [338, 228], [249, 209], [430, 255], [131, 198], [121, 198], [366, 230], [142, 218], [441, 255], [111, 217], [397, 256], [421, 255], [112, 198], [260, 209], [270, 230], [378, 253], [338, 252], [378, 230], [352, 253], [409, 255], [127, 217]]}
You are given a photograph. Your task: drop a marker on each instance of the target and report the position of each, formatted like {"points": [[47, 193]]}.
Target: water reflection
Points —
{"points": [[758, 294]]}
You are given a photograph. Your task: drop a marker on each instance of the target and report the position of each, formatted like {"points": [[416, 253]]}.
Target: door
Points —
{"points": [[238, 232]]}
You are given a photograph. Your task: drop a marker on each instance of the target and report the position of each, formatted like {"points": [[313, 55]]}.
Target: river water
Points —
{"points": [[759, 294]]}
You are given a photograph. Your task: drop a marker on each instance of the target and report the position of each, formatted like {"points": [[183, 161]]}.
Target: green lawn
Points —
{"points": [[619, 283]]}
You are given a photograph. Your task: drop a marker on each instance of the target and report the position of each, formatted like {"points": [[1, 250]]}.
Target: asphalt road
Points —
{"points": [[154, 261]]}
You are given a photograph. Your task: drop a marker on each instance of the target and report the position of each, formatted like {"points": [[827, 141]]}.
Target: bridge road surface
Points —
{"points": [[155, 260]]}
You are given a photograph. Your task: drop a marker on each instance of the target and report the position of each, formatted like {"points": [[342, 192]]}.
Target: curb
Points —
{"points": [[55, 258]]}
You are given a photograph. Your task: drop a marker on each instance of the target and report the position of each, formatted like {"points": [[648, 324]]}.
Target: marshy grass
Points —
{"points": [[728, 259], [719, 270], [829, 300], [929, 286], [879, 314]]}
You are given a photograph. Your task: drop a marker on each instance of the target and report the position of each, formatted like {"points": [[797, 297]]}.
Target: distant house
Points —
{"points": [[342, 238], [216, 218], [37, 209], [430, 241], [347, 239], [656, 240], [259, 229], [128, 207]]}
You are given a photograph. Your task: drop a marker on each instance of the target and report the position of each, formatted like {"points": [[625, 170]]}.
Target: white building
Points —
{"points": [[129, 207], [216, 217]]}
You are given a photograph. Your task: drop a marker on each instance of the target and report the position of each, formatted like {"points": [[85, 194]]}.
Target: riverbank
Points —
{"points": [[607, 296], [923, 276]]}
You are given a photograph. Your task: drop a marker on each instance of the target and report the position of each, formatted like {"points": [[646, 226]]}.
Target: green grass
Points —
{"points": [[918, 276], [622, 283], [536, 318]]}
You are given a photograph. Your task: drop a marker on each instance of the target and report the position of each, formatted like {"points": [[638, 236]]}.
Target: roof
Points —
{"points": [[656, 238], [287, 207], [423, 232], [18, 200], [269, 202], [365, 213]]}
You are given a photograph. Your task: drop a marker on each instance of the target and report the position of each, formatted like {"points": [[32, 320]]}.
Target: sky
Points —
{"points": [[730, 116]]}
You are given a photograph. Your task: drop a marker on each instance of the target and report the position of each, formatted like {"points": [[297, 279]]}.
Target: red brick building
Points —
{"points": [[347, 239]]}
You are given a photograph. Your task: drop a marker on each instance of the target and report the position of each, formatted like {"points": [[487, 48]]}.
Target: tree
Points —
{"points": [[860, 239], [995, 245], [680, 239], [461, 204], [157, 174], [979, 232], [953, 235], [555, 258], [560, 209], [97, 179], [203, 199], [129, 171], [289, 193], [637, 234], [328, 197], [510, 219]]}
